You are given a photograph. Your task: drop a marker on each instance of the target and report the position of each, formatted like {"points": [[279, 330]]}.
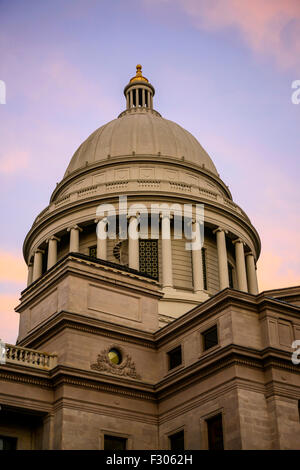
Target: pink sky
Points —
{"points": [[222, 69]]}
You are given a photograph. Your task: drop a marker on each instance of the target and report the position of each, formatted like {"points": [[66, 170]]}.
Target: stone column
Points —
{"points": [[137, 100], [222, 258], [127, 101], [251, 273], [133, 243], [130, 99], [148, 99], [167, 269], [74, 238], [52, 251], [101, 238], [143, 97], [197, 261], [240, 265], [30, 273], [37, 264]]}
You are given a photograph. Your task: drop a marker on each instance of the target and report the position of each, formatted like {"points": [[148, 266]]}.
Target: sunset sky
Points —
{"points": [[222, 69]]}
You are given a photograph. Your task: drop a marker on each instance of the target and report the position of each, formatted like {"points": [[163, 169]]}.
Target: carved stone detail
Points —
{"points": [[125, 369]]}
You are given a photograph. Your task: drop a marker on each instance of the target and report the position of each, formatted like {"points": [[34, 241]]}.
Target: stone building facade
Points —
{"points": [[137, 342]]}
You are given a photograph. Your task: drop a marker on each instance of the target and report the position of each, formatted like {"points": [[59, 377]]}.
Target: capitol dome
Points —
{"points": [[149, 161], [140, 132]]}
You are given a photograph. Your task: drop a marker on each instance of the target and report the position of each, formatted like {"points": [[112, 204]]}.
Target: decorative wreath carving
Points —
{"points": [[126, 368]]}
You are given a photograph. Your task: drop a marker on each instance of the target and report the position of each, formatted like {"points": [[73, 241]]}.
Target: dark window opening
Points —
{"points": [[8, 443], [230, 275], [177, 441], [299, 409], [93, 251], [215, 433], [210, 338], [203, 254], [114, 443], [175, 357], [148, 257]]}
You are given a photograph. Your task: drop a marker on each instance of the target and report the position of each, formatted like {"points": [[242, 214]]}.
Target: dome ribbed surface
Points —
{"points": [[144, 134]]}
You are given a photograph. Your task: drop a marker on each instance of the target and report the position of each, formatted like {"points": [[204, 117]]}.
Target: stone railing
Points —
{"points": [[28, 357]]}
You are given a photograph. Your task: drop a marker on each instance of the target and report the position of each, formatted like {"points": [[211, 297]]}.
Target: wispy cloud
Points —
{"points": [[9, 319], [268, 27], [13, 161], [12, 268]]}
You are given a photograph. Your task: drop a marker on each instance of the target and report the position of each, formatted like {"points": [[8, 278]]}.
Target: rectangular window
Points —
{"points": [[210, 338], [203, 254], [8, 443], [230, 275], [175, 357], [93, 251], [148, 257], [177, 441], [114, 442], [215, 433]]}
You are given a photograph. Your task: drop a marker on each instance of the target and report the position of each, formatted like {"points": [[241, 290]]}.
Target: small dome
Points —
{"points": [[140, 133]]}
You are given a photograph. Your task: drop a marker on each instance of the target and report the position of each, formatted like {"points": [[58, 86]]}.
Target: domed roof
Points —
{"points": [[143, 132]]}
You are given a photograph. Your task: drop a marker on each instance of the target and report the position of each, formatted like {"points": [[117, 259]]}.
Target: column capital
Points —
{"points": [[220, 229], [238, 240], [74, 227], [167, 215], [39, 250], [53, 238]]}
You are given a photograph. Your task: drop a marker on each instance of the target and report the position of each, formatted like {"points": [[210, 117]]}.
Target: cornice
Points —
{"points": [[230, 356]]}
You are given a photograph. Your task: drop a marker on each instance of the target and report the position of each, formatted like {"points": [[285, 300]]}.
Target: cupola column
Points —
{"points": [[222, 258], [37, 264], [101, 238], [133, 243], [251, 273], [74, 238], [52, 251], [167, 270], [197, 260], [240, 265], [30, 273], [143, 97]]}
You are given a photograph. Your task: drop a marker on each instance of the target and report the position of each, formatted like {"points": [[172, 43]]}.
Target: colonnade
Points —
{"points": [[136, 99], [245, 262]]}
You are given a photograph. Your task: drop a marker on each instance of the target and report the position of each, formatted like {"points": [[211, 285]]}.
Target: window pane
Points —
{"points": [[210, 338], [114, 443], [8, 443], [93, 251], [148, 257], [177, 441], [215, 433], [230, 275], [175, 357]]}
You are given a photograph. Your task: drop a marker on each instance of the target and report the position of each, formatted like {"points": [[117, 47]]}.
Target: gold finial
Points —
{"points": [[138, 76]]}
